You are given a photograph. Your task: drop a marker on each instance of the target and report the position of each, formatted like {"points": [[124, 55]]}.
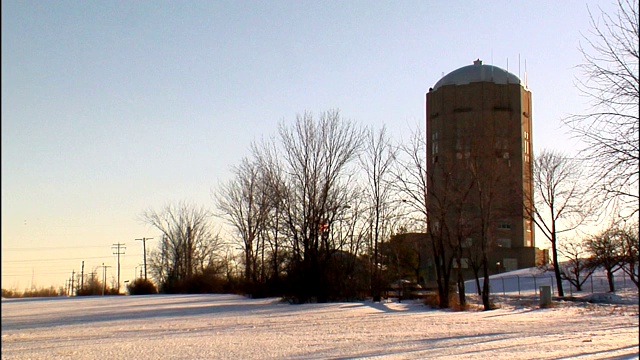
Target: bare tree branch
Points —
{"points": [[611, 82]]}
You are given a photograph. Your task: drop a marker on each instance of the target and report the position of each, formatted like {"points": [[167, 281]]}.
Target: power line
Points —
{"points": [[49, 248], [25, 274], [62, 259]]}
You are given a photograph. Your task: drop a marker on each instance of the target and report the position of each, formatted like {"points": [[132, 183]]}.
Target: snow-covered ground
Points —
{"points": [[234, 327]]}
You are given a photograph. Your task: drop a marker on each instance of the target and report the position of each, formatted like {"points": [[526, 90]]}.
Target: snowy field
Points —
{"points": [[234, 327]]}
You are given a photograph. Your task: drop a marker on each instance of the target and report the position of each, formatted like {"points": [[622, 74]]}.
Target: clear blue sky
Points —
{"points": [[113, 107]]}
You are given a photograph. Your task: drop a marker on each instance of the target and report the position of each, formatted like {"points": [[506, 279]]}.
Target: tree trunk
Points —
{"points": [[610, 279], [556, 266], [476, 274], [485, 285], [376, 278], [462, 297]]}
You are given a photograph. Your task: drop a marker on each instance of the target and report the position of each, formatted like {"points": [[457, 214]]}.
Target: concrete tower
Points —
{"points": [[479, 164]]}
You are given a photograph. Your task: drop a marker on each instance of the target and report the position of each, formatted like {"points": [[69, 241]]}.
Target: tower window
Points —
{"points": [[504, 225]]}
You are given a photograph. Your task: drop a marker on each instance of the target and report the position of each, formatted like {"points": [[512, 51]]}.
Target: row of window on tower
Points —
{"points": [[463, 147]]}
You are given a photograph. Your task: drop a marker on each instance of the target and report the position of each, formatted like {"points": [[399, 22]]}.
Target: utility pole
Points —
{"points": [[104, 278], [93, 280], [82, 277], [144, 254], [73, 276], [117, 248]]}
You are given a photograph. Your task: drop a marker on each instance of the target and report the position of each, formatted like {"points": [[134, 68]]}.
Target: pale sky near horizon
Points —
{"points": [[113, 107]]}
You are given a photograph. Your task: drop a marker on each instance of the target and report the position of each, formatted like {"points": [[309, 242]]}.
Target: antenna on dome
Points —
{"points": [[507, 70], [518, 65], [526, 85]]}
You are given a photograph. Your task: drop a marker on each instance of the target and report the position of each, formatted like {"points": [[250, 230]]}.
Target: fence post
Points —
{"points": [[551, 281], [591, 277], [518, 276], [503, 289], [535, 286]]}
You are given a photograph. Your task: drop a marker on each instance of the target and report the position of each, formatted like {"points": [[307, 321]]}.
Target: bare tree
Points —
{"points": [[92, 284], [579, 267], [611, 82], [490, 190], [317, 158], [607, 251], [473, 253], [449, 224], [411, 182], [439, 194], [245, 202], [275, 232], [188, 246], [630, 243], [377, 161], [410, 177], [462, 241], [561, 202]]}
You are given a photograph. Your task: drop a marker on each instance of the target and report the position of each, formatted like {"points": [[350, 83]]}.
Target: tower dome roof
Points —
{"points": [[477, 73]]}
